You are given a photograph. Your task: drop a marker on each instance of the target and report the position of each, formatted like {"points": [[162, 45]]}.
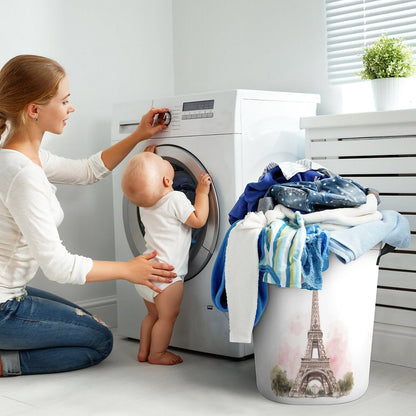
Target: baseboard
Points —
{"points": [[105, 308], [394, 344]]}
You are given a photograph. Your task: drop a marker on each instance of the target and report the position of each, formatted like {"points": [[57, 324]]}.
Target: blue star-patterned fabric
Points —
{"points": [[333, 192]]}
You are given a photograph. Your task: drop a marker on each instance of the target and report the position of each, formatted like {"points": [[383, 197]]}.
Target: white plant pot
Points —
{"points": [[392, 93]]}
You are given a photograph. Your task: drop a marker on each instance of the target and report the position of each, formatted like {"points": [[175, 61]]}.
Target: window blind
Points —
{"points": [[355, 24]]}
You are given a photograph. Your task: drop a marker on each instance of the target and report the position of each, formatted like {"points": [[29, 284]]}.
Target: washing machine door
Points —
{"points": [[187, 170]]}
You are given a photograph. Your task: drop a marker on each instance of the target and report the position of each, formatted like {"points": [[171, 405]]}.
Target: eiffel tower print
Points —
{"points": [[315, 364]]}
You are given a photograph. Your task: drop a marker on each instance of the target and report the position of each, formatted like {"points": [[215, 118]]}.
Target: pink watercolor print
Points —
{"points": [[338, 350], [323, 370]]}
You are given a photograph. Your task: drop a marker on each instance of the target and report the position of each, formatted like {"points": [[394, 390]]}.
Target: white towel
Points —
{"points": [[241, 271], [340, 218], [290, 169]]}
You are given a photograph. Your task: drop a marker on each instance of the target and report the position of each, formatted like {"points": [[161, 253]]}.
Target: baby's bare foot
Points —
{"points": [[143, 353], [142, 356], [165, 358]]}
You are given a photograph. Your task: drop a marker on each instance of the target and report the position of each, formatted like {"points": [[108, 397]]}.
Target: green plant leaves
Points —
{"points": [[387, 58]]}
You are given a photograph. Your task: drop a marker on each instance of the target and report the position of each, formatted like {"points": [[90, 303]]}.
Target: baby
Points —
{"points": [[168, 217]]}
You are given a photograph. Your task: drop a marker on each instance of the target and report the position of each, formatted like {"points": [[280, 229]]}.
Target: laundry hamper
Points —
{"points": [[314, 347]]}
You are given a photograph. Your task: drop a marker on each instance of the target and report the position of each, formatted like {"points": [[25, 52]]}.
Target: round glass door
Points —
{"points": [[187, 169]]}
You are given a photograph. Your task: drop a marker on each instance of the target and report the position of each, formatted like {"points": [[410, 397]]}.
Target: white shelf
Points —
{"points": [[378, 150]]}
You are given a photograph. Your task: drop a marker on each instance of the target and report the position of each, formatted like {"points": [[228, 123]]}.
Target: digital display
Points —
{"points": [[198, 105]]}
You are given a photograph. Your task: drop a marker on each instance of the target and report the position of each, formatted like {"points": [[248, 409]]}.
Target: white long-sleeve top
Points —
{"points": [[30, 214]]}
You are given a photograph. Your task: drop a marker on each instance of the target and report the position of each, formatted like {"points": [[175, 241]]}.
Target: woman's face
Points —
{"points": [[52, 116]]}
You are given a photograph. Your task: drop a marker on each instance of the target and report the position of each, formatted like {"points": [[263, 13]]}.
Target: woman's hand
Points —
{"points": [[112, 156], [144, 271], [147, 128], [139, 270]]}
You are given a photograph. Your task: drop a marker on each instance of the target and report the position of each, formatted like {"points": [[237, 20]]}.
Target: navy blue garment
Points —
{"points": [[249, 199], [307, 196]]}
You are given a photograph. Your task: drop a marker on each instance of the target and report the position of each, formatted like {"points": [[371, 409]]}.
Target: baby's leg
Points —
{"points": [[146, 331], [168, 305]]}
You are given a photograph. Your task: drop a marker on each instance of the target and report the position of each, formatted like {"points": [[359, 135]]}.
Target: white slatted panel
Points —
{"points": [[412, 222], [378, 150], [395, 316], [402, 299], [403, 280], [359, 166], [395, 185], [402, 203], [387, 164], [354, 24], [365, 146], [400, 261]]}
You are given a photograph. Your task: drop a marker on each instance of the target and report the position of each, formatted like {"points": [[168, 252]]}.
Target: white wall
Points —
{"points": [[254, 44], [112, 52], [120, 50]]}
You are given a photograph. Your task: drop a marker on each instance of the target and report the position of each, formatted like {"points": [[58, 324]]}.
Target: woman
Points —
{"points": [[39, 332]]}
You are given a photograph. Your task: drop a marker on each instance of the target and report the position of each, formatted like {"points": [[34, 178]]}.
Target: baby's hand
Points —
{"points": [[204, 183]]}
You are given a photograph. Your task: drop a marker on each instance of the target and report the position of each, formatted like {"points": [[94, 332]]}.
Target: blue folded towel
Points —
{"points": [[349, 244]]}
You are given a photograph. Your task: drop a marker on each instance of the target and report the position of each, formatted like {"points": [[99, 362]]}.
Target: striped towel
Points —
{"points": [[282, 244]]}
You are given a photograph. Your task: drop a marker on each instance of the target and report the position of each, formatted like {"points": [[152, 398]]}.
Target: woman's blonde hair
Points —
{"points": [[26, 79]]}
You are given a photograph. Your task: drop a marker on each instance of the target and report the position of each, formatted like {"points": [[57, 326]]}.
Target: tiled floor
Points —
{"points": [[201, 385]]}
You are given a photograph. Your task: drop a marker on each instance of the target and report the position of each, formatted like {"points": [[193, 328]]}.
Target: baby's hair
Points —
{"points": [[141, 180]]}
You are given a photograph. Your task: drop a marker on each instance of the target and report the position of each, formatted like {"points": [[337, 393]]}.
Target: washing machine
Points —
{"points": [[232, 135]]}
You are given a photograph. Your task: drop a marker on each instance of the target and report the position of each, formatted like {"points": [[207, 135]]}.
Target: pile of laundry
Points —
{"points": [[283, 229]]}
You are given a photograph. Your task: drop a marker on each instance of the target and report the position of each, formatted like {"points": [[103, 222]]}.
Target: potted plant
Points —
{"points": [[387, 63]]}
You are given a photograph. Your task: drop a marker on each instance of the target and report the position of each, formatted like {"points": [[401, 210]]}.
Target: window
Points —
{"points": [[354, 24]]}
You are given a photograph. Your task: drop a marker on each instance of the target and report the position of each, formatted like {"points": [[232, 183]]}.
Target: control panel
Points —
{"points": [[204, 114], [198, 109], [199, 114]]}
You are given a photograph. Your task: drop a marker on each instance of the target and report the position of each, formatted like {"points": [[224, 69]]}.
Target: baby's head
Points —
{"points": [[146, 178]]}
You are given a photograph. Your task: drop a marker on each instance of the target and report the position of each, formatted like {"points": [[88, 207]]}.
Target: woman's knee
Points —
{"points": [[96, 334], [105, 344]]}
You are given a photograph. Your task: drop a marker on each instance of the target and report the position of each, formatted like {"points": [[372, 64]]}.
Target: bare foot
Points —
{"points": [[142, 356], [165, 358]]}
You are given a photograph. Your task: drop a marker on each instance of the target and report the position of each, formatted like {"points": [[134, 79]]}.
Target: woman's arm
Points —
{"points": [[34, 221], [116, 153], [137, 270]]}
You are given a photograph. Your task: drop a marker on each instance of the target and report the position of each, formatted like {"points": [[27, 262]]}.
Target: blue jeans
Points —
{"points": [[43, 333]]}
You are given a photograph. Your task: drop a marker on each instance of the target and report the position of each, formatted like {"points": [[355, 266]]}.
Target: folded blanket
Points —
{"points": [[349, 244]]}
